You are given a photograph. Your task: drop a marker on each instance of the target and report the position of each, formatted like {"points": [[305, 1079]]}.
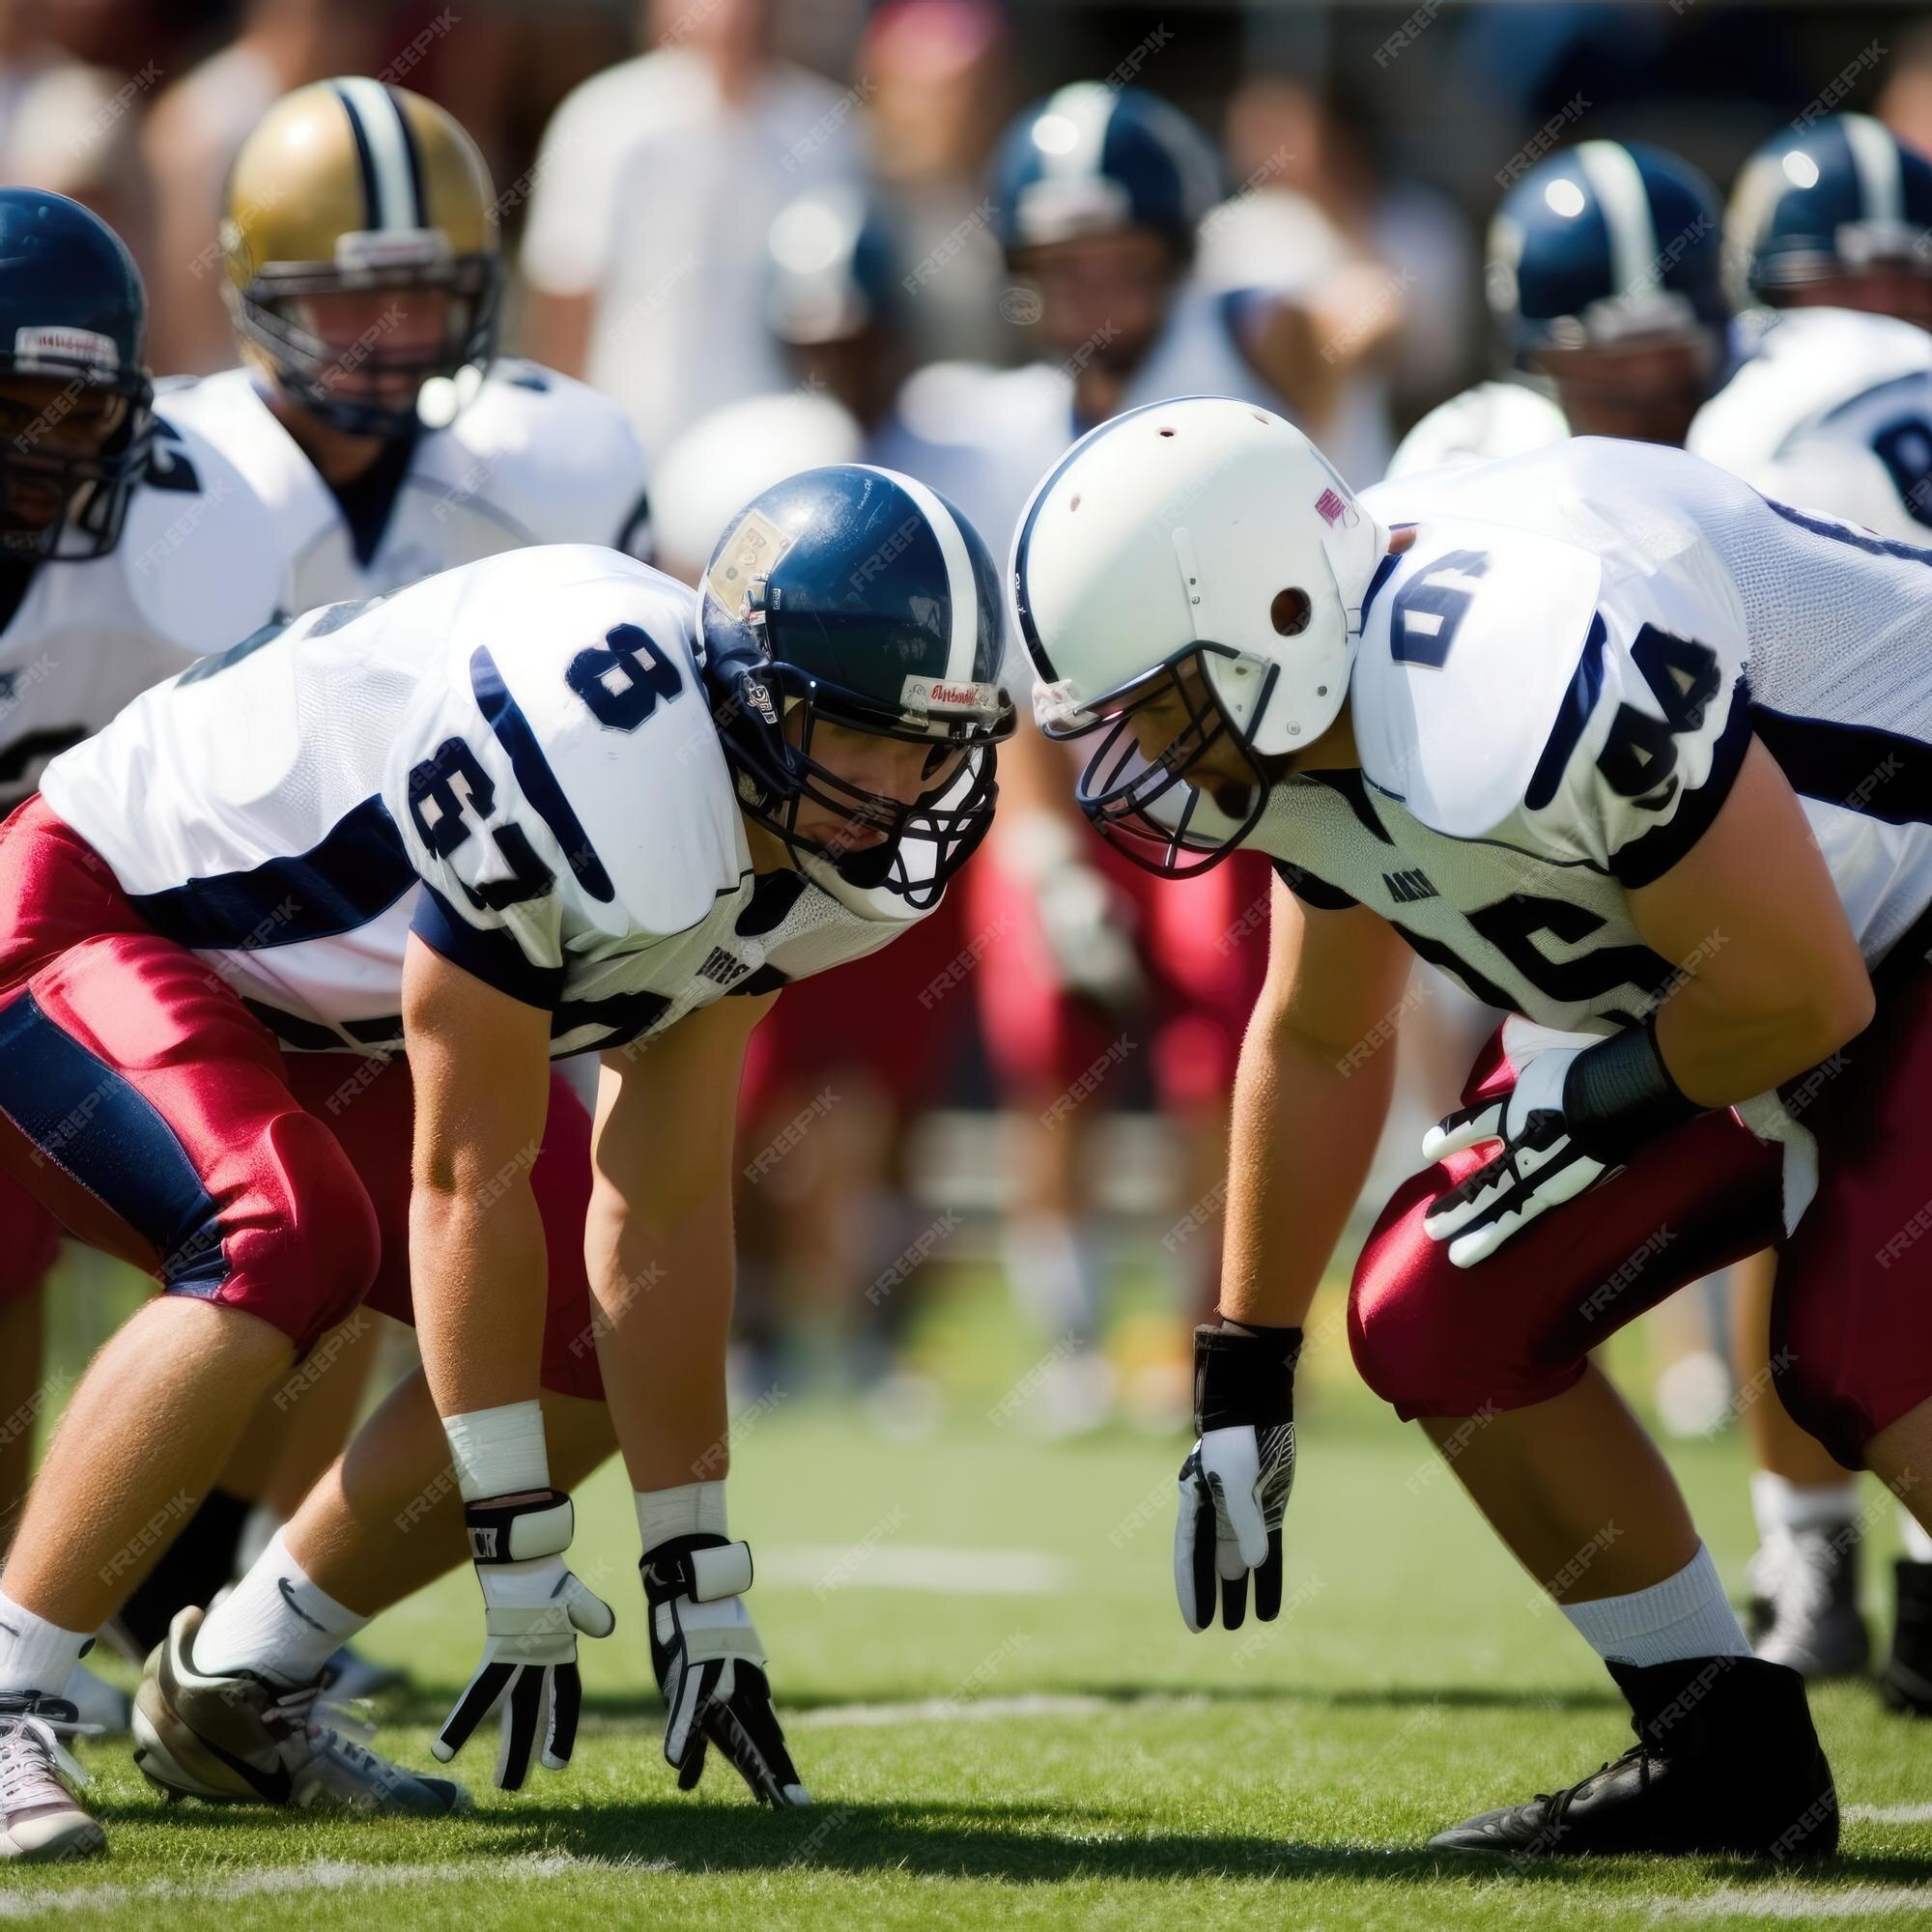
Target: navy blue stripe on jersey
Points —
{"points": [[1311, 891], [624, 1016], [292, 1029], [1643, 861], [1384, 570], [1850, 533], [489, 953], [1350, 785], [1580, 703], [505, 717], [355, 874], [1856, 766], [91, 1123]]}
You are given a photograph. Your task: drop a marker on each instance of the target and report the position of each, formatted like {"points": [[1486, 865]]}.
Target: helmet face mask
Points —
{"points": [[848, 612], [1209, 757], [344, 384], [877, 841], [359, 239]]}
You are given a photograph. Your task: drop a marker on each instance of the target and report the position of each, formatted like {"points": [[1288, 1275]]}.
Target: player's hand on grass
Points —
{"points": [[712, 1668], [1236, 1481], [533, 1609]]}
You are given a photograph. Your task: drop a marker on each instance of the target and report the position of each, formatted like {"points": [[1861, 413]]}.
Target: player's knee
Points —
{"points": [[314, 1258], [1423, 1337]]}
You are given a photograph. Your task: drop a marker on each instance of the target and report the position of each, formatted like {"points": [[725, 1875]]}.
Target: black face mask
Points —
{"points": [[923, 842]]}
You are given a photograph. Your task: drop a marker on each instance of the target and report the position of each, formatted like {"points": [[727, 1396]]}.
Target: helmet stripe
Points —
{"points": [[1875, 157], [962, 594], [418, 193], [381, 144], [1088, 105], [1617, 182]]}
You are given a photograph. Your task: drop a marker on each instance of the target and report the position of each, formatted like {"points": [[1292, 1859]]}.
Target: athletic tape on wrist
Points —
{"points": [[1244, 1380], [515, 1529]]}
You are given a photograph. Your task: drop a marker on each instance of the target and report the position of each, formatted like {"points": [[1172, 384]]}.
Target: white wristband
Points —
{"points": [[691, 1509], [499, 1452]]}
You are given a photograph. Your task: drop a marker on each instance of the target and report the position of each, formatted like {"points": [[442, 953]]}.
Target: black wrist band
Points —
{"points": [[1244, 1380], [1619, 1094]]}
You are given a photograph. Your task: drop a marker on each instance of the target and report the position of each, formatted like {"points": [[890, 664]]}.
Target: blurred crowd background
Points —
{"points": [[765, 228]]}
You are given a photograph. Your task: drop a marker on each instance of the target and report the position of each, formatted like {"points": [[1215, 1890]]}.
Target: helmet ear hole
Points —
{"points": [[1291, 611]]}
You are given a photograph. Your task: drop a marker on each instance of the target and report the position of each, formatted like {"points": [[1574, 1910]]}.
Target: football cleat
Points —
{"points": [[1906, 1681], [101, 1707], [241, 1740], [40, 1820], [1725, 1761], [1805, 1603]]}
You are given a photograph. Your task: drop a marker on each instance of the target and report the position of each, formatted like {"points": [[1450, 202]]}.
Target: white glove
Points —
{"points": [[533, 1608], [1538, 1166], [711, 1667], [1086, 923]]}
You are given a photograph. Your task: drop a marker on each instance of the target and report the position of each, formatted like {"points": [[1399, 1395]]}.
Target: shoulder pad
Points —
{"points": [[201, 553], [559, 459], [1468, 648]]}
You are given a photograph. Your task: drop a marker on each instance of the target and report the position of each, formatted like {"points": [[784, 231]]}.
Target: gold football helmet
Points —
{"points": [[351, 186]]}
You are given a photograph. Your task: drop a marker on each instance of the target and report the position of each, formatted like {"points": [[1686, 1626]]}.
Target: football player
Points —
{"points": [[1605, 275], [358, 240], [1687, 850], [1828, 231], [127, 549], [500, 817]]}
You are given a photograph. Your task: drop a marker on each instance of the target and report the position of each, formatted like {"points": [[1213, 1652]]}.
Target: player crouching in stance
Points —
{"points": [[1636, 754], [500, 817]]}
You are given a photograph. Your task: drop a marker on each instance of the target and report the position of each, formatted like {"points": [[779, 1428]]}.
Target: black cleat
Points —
{"points": [[1812, 1622], [1725, 1761], [1906, 1681]]}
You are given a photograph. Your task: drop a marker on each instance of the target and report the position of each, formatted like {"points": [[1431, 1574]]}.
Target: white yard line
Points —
{"points": [[982, 1710], [914, 1565], [1790, 1903], [1888, 1814], [317, 1875]]}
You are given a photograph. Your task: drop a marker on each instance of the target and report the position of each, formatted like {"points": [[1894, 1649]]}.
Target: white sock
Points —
{"points": [[1913, 1534], [691, 1509], [276, 1623], [1781, 1505], [1686, 1615], [1055, 1271], [35, 1654]]}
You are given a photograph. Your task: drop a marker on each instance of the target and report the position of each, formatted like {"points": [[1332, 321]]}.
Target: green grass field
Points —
{"points": [[1029, 1736]]}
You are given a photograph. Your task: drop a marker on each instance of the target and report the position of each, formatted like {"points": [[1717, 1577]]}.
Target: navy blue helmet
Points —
{"points": [[830, 267], [858, 597], [1603, 243], [1843, 196], [1092, 159], [73, 323]]}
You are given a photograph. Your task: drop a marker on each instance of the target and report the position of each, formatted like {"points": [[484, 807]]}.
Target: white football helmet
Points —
{"points": [[1201, 547]]}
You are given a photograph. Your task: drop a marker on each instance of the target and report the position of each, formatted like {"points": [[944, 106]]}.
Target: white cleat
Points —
{"points": [[40, 1820]]}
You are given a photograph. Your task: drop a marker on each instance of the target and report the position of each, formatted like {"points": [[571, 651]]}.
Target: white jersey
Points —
{"points": [[1482, 425], [196, 568], [515, 760], [1833, 411], [534, 458], [1555, 687]]}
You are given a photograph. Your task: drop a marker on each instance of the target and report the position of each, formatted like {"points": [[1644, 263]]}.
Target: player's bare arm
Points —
{"points": [[1774, 981], [659, 1241], [480, 1062]]}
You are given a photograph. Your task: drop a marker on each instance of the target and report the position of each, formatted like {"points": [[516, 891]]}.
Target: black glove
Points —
{"points": [[711, 1667], [1235, 1480]]}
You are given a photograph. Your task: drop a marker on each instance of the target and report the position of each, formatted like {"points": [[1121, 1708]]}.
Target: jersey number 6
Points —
{"points": [[434, 788]]}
